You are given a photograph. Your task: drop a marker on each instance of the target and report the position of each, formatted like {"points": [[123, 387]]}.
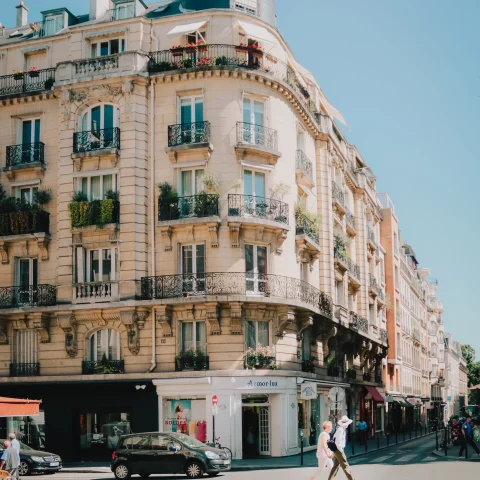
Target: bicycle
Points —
{"points": [[216, 444]]}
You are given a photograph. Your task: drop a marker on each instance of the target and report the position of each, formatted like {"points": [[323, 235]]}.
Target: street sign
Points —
{"points": [[214, 400], [443, 404], [214, 410]]}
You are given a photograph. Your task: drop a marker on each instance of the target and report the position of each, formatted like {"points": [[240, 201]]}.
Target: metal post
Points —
{"points": [[378, 441], [466, 447], [436, 438], [353, 441], [213, 429], [301, 450], [446, 440]]}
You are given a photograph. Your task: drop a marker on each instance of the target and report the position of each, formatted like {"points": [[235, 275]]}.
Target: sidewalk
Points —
{"points": [[453, 452], [267, 463]]}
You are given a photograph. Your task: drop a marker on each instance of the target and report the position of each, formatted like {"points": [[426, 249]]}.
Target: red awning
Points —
{"points": [[376, 395], [18, 407]]}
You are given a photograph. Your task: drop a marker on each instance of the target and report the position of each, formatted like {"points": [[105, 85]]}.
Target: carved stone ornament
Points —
{"points": [[234, 234], [304, 321], [235, 318], [213, 232], [325, 337], [166, 234], [281, 237], [213, 318], [41, 323], [42, 244], [3, 333], [68, 324], [95, 91], [286, 317], [134, 321], [4, 252], [163, 315]]}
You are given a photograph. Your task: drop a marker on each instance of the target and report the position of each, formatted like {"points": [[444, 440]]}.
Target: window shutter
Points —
{"points": [[179, 337]]}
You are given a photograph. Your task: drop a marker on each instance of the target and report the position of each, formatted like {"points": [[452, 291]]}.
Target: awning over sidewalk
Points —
{"points": [[186, 29], [18, 407], [401, 401], [376, 395]]}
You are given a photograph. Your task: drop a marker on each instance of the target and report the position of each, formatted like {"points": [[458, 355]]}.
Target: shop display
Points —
{"points": [[186, 416]]}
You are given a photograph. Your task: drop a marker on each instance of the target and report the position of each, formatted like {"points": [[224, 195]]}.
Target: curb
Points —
{"points": [[435, 453]]}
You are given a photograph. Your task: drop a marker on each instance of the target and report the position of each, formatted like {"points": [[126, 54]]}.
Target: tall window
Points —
{"points": [[194, 336], [193, 268], [26, 277], [28, 135], [191, 182], [96, 187], [190, 116], [257, 333], [254, 193], [253, 121], [96, 265], [25, 346], [255, 268], [27, 193], [104, 342], [98, 124], [108, 47], [307, 344]]}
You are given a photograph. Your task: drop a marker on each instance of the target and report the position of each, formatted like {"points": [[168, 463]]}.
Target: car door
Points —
{"points": [[138, 453], [165, 458]]}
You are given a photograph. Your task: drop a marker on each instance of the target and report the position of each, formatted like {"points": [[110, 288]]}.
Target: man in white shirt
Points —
{"points": [[339, 458], [16, 445]]}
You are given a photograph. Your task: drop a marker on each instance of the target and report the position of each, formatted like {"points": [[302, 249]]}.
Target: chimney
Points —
{"points": [[22, 15], [98, 8]]}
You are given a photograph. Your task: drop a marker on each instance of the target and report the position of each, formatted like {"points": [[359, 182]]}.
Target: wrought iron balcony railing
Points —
{"points": [[24, 369], [350, 219], [193, 206], [353, 268], [28, 82], [195, 363], [359, 323], [384, 335], [25, 222], [102, 367], [371, 236], [305, 226], [338, 194], [302, 162], [250, 206], [188, 133], [96, 291], [257, 135], [373, 283], [96, 140], [33, 296], [340, 255], [92, 66], [96, 212], [234, 283], [25, 154]]}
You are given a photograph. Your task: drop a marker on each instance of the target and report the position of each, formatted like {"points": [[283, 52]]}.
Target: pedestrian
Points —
{"points": [[10, 460], [324, 454], [362, 430], [16, 445], [467, 434], [339, 458]]}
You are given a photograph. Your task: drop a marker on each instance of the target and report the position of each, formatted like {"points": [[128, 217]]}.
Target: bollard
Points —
{"points": [[396, 437], [388, 440], [366, 443], [301, 452], [436, 438], [446, 441], [466, 448], [410, 432]]}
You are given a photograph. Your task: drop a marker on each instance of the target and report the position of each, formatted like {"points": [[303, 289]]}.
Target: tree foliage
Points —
{"points": [[473, 371]]}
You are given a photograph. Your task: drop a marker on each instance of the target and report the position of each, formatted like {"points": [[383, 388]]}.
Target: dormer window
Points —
{"points": [[53, 24], [247, 6], [124, 10]]}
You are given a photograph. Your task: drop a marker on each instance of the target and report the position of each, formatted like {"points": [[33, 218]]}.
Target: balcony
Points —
{"points": [[338, 198], [374, 288], [353, 270], [258, 362], [30, 221], [358, 323], [96, 212], [303, 170], [350, 222], [33, 296], [340, 259], [96, 66], [194, 206], [306, 227], [308, 366], [185, 137], [384, 336], [235, 283], [95, 292], [24, 369], [190, 360], [248, 206], [27, 83], [102, 367], [257, 141], [25, 156], [371, 239], [107, 139]]}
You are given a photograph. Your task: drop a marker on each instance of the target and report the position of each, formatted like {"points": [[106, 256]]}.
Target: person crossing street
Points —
{"points": [[339, 457], [467, 437]]}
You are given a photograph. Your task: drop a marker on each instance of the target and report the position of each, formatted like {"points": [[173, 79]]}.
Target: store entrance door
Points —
{"points": [[255, 430]]}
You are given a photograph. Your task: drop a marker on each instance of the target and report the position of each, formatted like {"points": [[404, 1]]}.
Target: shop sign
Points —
{"points": [[449, 398], [263, 383], [308, 391]]}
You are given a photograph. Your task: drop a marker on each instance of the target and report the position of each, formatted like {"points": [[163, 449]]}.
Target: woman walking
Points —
{"points": [[324, 455]]}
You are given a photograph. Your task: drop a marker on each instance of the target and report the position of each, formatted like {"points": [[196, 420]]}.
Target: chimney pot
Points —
{"points": [[22, 15]]}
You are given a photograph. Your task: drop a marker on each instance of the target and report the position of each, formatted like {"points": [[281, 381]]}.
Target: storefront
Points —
{"points": [[82, 421], [372, 410]]}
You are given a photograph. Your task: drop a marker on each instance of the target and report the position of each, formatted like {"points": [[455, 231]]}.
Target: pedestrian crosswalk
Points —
{"points": [[393, 458]]}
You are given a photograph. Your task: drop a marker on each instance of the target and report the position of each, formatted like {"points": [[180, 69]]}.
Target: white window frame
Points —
{"points": [[17, 270], [53, 19], [256, 280], [88, 113], [198, 34], [88, 265], [31, 188], [192, 99], [122, 44], [194, 336], [195, 282], [92, 355], [256, 322], [78, 180], [194, 184], [124, 7]]}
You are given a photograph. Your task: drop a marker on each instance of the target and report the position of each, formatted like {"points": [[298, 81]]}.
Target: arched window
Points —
{"points": [[98, 128], [104, 342]]}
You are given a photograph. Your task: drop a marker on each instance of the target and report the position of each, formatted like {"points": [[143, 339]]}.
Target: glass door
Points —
{"points": [[30, 151], [193, 269], [99, 265], [100, 122], [191, 119], [27, 281], [253, 121], [264, 431], [191, 184], [254, 193], [256, 269]]}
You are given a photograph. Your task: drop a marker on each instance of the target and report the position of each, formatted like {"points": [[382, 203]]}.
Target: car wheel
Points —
{"points": [[24, 469], [194, 470], [122, 471]]}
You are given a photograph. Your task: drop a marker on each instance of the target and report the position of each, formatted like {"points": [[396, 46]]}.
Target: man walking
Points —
{"points": [[339, 458], [362, 429], [467, 434], [16, 445], [10, 460]]}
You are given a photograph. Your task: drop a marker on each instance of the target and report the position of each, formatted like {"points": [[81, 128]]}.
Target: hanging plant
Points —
{"points": [[211, 180], [79, 214], [107, 208], [42, 196]]}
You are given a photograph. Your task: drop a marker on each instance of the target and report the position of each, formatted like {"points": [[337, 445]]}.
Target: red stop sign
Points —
{"points": [[214, 400]]}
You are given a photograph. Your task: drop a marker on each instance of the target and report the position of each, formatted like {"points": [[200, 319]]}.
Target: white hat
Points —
{"points": [[344, 422]]}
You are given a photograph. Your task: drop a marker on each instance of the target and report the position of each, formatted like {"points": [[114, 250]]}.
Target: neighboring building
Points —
{"points": [[126, 306], [453, 354], [463, 384]]}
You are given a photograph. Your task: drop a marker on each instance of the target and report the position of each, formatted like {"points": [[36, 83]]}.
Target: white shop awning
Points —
{"points": [[257, 32], [186, 29]]}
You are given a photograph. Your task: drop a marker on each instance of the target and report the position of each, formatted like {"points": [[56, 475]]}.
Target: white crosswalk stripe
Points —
{"points": [[429, 459], [405, 458], [381, 459]]}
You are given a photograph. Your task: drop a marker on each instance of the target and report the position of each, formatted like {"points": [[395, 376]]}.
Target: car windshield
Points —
{"points": [[188, 441]]}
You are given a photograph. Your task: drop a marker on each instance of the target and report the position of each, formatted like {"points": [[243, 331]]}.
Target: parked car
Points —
{"points": [[36, 461], [145, 454]]}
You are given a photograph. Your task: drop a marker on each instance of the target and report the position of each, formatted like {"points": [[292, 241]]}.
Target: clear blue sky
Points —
{"points": [[406, 76]]}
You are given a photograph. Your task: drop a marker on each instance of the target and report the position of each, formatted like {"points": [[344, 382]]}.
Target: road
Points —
{"points": [[406, 462]]}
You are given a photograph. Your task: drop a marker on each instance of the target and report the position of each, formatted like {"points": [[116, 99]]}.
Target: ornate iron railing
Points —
{"points": [[28, 82], [193, 206], [373, 283], [304, 226], [250, 206], [350, 219], [233, 57], [359, 323], [24, 369], [302, 162], [338, 194], [102, 367], [353, 268], [25, 153], [32, 296], [371, 235], [34, 220], [256, 362], [195, 363], [188, 133], [234, 283], [257, 135], [92, 66], [384, 335], [95, 291], [340, 255], [96, 140]]}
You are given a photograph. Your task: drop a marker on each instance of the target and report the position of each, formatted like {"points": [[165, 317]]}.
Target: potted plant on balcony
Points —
{"points": [[106, 367], [80, 210], [236, 186], [241, 48], [49, 82], [202, 46], [177, 50], [18, 74], [206, 204], [168, 202], [211, 180], [260, 358], [200, 361], [352, 373], [308, 365], [185, 360], [278, 192], [33, 71], [42, 196], [333, 368]]}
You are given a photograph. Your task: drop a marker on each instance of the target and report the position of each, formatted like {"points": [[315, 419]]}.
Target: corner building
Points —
{"points": [[181, 255]]}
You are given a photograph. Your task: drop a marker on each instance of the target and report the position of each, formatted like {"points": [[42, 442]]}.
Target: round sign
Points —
{"points": [[336, 394], [214, 400]]}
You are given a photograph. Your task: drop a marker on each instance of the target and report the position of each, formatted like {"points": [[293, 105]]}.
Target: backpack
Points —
{"points": [[332, 446]]}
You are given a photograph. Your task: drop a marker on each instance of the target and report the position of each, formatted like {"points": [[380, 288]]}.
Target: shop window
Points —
{"points": [[257, 334], [28, 430], [104, 344], [101, 431], [186, 416], [193, 336]]}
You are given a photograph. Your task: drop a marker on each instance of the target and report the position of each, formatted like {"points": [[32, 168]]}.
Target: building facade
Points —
{"points": [[210, 232], [453, 354]]}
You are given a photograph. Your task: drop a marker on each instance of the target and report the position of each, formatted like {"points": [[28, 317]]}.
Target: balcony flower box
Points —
{"points": [[308, 366], [241, 48], [177, 51], [260, 358], [191, 360], [33, 72], [19, 75]]}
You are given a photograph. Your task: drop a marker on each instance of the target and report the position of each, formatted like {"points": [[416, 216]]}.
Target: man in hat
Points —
{"points": [[339, 458]]}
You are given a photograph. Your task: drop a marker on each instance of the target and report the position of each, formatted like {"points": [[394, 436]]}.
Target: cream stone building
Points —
{"points": [[210, 232]]}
